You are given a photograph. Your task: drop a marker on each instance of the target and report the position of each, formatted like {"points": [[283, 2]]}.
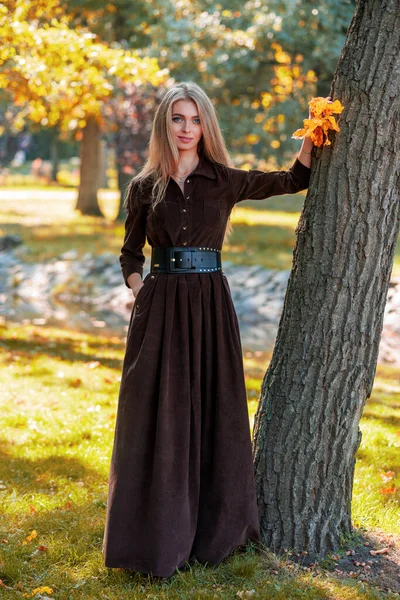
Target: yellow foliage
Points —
{"points": [[266, 99], [252, 138], [321, 121], [60, 76]]}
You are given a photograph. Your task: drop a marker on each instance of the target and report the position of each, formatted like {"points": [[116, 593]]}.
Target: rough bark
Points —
{"points": [[306, 430], [87, 202]]}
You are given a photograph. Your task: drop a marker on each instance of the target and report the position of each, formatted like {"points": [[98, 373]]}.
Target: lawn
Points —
{"points": [[58, 400], [58, 403]]}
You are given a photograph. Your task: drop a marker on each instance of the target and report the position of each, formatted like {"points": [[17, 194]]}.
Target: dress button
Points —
{"points": [[187, 197], [184, 243], [188, 181], [183, 209], [185, 227]]}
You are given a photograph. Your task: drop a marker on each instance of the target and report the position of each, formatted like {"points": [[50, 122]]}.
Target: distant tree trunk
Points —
{"points": [[103, 165], [89, 171], [306, 430], [54, 156], [123, 182]]}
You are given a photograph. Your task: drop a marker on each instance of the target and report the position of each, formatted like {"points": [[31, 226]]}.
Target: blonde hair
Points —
{"points": [[163, 154]]}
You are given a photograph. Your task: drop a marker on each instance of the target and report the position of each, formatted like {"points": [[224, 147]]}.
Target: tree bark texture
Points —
{"points": [[306, 430], [89, 170]]}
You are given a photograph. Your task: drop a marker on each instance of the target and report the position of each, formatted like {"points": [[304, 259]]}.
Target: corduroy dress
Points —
{"points": [[181, 481]]}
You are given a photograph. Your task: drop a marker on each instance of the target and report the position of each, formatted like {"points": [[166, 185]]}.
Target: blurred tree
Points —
{"points": [[59, 76], [132, 115], [259, 61], [306, 431], [133, 107]]}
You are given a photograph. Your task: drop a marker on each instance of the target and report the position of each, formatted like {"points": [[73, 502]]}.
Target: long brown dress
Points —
{"points": [[181, 481]]}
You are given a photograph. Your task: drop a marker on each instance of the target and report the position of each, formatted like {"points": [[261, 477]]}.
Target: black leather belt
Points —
{"points": [[185, 260]]}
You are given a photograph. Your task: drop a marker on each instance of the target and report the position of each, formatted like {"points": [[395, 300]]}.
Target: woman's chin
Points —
{"points": [[184, 146]]}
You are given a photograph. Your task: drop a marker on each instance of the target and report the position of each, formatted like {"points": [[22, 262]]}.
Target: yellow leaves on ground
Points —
{"points": [[30, 537], [322, 121], [44, 589]]}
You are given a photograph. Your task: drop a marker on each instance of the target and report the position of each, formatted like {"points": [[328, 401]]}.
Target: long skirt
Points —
{"points": [[181, 481]]}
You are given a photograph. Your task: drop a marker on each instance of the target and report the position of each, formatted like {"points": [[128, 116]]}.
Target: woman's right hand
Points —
{"points": [[135, 283], [135, 291]]}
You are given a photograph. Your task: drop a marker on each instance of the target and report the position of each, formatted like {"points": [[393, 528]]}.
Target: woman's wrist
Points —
{"points": [[305, 151], [135, 283]]}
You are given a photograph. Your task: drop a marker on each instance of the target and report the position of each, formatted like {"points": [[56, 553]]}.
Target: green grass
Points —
{"points": [[58, 405], [58, 400]]}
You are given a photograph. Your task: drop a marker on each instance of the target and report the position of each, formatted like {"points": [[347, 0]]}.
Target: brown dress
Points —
{"points": [[181, 481]]}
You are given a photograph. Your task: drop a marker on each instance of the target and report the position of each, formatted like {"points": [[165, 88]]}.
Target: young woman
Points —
{"points": [[181, 482]]}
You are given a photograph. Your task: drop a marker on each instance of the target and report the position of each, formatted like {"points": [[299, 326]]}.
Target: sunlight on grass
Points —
{"points": [[250, 216], [58, 401]]}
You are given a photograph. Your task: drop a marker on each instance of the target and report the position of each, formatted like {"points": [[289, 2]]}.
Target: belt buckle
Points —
{"points": [[172, 260]]}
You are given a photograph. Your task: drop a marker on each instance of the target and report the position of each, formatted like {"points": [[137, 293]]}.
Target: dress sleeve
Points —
{"points": [[132, 257], [257, 185]]}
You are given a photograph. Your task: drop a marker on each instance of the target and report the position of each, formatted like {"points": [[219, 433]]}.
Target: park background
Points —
{"points": [[79, 85]]}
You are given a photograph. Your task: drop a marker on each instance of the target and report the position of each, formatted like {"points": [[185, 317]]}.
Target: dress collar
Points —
{"points": [[205, 167]]}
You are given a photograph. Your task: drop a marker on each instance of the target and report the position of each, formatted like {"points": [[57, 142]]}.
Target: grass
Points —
{"points": [[58, 400], [58, 404]]}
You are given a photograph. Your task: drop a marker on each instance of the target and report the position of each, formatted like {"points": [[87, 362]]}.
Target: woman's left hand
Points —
{"points": [[310, 112]]}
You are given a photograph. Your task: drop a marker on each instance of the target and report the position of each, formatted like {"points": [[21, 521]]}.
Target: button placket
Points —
{"points": [[184, 220]]}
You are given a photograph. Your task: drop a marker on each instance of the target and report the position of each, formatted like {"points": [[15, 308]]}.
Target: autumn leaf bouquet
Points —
{"points": [[321, 121]]}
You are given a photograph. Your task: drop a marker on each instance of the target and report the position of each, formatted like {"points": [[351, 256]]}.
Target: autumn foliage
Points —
{"points": [[321, 122]]}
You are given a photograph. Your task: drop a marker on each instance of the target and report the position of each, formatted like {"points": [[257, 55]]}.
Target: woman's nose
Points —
{"points": [[186, 126]]}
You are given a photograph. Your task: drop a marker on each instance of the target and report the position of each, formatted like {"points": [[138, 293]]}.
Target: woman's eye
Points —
{"points": [[197, 121]]}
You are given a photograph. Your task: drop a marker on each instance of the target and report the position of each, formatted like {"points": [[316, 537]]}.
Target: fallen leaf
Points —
{"points": [[93, 364], [30, 537], [388, 490], [75, 383], [381, 551]]}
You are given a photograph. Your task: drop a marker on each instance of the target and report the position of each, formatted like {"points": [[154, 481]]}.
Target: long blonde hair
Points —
{"points": [[163, 155]]}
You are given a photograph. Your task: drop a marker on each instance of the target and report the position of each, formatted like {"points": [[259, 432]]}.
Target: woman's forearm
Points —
{"points": [[304, 154]]}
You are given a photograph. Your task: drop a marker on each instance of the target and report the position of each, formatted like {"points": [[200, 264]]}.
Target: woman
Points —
{"points": [[181, 479]]}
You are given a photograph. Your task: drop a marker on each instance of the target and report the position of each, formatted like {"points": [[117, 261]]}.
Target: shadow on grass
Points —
{"points": [[66, 349], [391, 420], [39, 475]]}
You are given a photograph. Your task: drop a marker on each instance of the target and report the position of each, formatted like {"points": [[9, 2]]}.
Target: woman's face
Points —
{"points": [[185, 126]]}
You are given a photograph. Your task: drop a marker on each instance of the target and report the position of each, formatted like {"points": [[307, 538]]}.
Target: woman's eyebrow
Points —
{"points": [[179, 115]]}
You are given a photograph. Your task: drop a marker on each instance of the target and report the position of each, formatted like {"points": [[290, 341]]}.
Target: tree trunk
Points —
{"points": [[89, 171], [55, 155], [123, 182], [306, 430]]}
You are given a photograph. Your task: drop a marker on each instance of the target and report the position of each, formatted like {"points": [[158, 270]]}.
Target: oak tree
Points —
{"points": [[306, 431]]}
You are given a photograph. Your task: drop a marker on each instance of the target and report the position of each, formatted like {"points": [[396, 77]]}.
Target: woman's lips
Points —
{"points": [[185, 139]]}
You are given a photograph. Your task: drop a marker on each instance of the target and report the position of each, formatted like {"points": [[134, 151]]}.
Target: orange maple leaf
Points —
{"points": [[387, 490], [321, 122]]}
